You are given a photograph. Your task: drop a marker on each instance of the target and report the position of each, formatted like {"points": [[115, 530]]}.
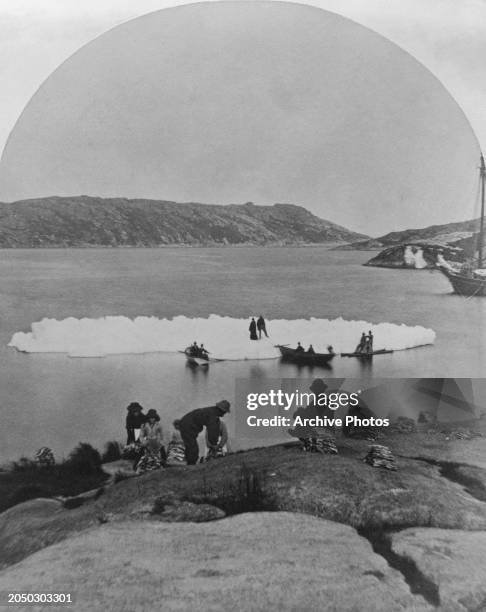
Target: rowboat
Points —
{"points": [[199, 360], [289, 354], [367, 355]]}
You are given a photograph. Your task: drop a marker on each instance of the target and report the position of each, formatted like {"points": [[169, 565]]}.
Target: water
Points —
{"points": [[54, 400]]}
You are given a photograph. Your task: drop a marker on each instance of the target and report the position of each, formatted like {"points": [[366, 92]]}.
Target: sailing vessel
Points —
{"points": [[470, 282]]}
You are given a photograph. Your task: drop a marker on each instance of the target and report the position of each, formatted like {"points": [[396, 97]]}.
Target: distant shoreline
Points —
{"points": [[329, 246]]}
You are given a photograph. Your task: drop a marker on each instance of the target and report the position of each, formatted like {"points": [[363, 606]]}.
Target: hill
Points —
{"points": [[84, 221], [452, 234], [420, 248]]}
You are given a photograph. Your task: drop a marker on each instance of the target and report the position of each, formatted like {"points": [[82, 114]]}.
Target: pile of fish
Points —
{"points": [[326, 445], [380, 456], [175, 453], [321, 444]]}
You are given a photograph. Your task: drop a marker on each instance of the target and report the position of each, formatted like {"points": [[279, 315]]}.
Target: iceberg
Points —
{"points": [[224, 337]]}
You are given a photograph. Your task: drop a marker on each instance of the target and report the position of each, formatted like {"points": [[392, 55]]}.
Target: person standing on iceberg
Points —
{"points": [[261, 326], [253, 330]]}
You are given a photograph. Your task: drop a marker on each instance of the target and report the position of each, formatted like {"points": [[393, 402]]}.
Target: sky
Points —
{"points": [[447, 37]]}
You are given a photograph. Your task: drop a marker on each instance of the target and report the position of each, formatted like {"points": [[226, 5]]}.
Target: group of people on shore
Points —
{"points": [[145, 437], [365, 344], [257, 327]]}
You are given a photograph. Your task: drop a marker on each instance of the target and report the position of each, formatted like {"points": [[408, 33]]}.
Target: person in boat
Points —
{"points": [[330, 350], [175, 449], [151, 439], [134, 421], [310, 350], [193, 350], [253, 329], [362, 344], [203, 352], [261, 326], [299, 348], [195, 421], [368, 347], [222, 448]]}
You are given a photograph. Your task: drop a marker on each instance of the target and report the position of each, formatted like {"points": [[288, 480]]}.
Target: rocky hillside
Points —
{"points": [[420, 248], [86, 221], [454, 234]]}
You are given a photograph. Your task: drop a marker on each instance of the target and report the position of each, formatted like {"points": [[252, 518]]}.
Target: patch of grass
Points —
{"points": [[247, 493], [112, 452], [84, 460], [27, 479]]}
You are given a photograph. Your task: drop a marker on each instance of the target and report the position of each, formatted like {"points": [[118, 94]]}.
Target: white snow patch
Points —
{"points": [[224, 337], [414, 257]]}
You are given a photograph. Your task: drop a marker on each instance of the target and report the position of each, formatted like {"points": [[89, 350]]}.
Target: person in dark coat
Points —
{"points": [[299, 348], [261, 326], [253, 330], [194, 422], [134, 421]]}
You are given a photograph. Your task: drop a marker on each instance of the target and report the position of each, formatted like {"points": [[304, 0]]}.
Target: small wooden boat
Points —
{"points": [[195, 361], [198, 360], [290, 354], [367, 355]]}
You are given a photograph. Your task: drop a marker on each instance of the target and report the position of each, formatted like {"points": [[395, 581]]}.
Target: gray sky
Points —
{"points": [[446, 36]]}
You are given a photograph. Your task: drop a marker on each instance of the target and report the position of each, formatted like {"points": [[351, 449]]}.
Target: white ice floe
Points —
{"points": [[224, 337]]}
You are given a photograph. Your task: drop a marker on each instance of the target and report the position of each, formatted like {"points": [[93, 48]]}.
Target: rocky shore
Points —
{"points": [[270, 528]]}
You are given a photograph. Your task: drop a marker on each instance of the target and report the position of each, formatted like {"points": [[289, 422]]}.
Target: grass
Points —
{"points": [[337, 487], [28, 480], [248, 492]]}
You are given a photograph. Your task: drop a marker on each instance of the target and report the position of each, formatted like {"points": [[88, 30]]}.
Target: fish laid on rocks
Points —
{"points": [[321, 443], [380, 456]]}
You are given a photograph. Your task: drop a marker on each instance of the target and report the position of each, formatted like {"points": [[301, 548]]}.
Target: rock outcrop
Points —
{"points": [[258, 561], [416, 256], [420, 248], [453, 560]]}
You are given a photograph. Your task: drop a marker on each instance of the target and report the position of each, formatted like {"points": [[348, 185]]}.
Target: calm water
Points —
{"points": [[57, 401]]}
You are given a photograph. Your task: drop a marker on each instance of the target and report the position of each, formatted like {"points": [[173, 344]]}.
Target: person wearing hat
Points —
{"points": [[151, 438], [192, 423], [134, 421]]}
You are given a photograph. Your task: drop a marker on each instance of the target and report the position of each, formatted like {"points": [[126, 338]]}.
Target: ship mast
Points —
{"points": [[482, 173]]}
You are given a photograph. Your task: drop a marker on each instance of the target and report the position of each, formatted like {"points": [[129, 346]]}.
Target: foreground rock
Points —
{"points": [[260, 561], [453, 559]]}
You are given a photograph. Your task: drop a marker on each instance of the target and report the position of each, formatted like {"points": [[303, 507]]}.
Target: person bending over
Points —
{"points": [[195, 421]]}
